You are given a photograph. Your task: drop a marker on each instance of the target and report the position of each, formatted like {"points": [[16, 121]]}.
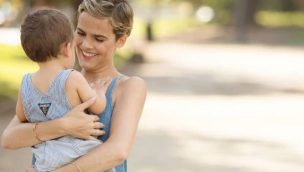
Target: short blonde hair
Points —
{"points": [[119, 12]]}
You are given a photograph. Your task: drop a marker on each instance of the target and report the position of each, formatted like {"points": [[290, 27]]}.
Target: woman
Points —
{"points": [[102, 27]]}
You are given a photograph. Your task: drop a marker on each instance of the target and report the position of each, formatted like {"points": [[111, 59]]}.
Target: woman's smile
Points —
{"points": [[88, 55]]}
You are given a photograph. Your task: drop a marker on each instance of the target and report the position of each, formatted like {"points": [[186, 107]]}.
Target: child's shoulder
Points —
{"points": [[76, 78], [76, 75]]}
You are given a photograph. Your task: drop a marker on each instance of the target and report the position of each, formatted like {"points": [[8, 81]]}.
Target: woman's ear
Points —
{"points": [[121, 41]]}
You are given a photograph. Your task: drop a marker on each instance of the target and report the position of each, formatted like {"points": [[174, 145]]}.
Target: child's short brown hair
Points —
{"points": [[43, 32]]}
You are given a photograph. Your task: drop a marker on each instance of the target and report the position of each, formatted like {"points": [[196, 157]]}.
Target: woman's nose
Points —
{"points": [[86, 44]]}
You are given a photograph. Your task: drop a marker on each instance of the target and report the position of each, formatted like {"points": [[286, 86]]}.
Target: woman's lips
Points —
{"points": [[88, 55]]}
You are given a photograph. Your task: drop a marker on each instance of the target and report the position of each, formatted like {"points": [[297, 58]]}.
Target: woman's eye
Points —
{"points": [[81, 33], [99, 40]]}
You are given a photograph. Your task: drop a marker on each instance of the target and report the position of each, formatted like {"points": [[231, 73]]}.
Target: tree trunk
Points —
{"points": [[244, 17]]}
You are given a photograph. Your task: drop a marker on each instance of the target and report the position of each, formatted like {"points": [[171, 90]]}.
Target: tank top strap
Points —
{"points": [[27, 92], [25, 85], [105, 117], [112, 87], [58, 85]]}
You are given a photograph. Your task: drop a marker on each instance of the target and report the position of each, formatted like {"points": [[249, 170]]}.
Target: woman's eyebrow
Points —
{"points": [[100, 36], [95, 35]]}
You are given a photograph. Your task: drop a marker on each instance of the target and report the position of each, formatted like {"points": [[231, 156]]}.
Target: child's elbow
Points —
{"points": [[98, 108], [5, 143]]}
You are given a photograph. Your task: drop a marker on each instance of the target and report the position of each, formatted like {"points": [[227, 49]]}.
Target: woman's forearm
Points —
{"points": [[99, 159], [75, 123], [17, 131]]}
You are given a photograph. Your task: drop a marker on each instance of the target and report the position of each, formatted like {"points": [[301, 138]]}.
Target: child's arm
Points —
{"points": [[19, 109], [85, 92]]}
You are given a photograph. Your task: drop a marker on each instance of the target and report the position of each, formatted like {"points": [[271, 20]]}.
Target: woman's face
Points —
{"points": [[95, 42]]}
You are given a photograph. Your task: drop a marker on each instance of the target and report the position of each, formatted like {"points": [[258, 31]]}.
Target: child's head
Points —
{"points": [[43, 34]]}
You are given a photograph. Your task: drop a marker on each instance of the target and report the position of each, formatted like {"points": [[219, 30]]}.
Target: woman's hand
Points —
{"points": [[81, 125]]}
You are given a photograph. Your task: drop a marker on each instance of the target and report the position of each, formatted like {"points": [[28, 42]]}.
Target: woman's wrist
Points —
{"points": [[63, 126], [50, 129]]}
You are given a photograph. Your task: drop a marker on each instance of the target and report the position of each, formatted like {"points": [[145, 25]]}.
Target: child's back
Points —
{"points": [[46, 106]]}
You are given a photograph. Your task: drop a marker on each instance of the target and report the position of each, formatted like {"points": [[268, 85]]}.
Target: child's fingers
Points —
{"points": [[92, 85], [30, 169], [106, 84]]}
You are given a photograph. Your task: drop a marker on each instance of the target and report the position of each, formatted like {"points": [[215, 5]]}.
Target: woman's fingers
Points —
{"points": [[98, 125], [94, 118], [97, 132]]}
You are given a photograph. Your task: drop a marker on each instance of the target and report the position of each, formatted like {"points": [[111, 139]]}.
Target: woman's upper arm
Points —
{"points": [[130, 99]]}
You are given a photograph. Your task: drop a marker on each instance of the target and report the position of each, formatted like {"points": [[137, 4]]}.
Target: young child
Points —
{"points": [[50, 92]]}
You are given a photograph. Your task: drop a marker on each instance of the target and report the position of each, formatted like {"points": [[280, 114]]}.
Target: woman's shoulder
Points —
{"points": [[131, 84], [129, 81]]}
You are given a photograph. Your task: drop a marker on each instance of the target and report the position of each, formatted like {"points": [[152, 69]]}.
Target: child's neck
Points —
{"points": [[51, 66]]}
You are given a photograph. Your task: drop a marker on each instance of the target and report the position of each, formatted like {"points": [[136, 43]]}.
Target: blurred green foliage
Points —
{"points": [[14, 64], [280, 19], [163, 27]]}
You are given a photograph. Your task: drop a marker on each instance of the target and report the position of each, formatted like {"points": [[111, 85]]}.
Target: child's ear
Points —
{"points": [[121, 41], [65, 49]]}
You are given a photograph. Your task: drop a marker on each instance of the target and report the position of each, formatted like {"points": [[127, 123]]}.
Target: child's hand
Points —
{"points": [[30, 169], [101, 85]]}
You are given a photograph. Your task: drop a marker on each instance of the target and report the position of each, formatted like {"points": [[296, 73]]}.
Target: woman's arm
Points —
{"points": [[75, 123], [129, 101]]}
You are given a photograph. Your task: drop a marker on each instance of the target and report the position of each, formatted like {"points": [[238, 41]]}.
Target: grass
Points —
{"points": [[280, 19], [13, 66]]}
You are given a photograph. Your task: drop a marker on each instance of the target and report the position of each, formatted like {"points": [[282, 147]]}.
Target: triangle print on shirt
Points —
{"points": [[44, 107]]}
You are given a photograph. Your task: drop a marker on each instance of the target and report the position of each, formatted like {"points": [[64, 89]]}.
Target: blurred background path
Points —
{"points": [[221, 108]]}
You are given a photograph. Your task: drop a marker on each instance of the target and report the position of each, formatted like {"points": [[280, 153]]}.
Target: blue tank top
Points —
{"points": [[106, 116]]}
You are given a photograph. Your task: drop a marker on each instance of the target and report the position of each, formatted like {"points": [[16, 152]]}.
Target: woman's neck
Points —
{"points": [[100, 73]]}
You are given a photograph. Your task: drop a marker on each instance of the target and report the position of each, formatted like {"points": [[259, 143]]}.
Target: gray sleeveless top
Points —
{"points": [[38, 107]]}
